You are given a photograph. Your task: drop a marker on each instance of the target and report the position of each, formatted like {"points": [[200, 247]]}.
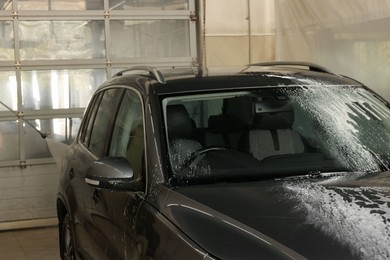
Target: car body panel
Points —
{"points": [[78, 194], [114, 215], [285, 211]]}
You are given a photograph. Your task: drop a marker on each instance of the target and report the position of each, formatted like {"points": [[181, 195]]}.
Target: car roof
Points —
{"points": [[181, 80]]}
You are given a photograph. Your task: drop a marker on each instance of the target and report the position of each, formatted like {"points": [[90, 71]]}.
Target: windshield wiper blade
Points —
{"points": [[314, 175]]}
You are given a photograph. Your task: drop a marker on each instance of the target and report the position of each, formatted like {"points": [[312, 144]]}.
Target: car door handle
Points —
{"points": [[71, 173], [96, 196]]}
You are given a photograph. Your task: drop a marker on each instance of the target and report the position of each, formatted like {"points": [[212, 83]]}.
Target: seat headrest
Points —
{"points": [[277, 120], [179, 123], [224, 123]]}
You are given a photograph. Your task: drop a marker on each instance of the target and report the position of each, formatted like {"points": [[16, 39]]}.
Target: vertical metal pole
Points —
{"points": [[193, 31], [200, 9], [21, 137], [249, 32], [107, 32], [198, 34]]}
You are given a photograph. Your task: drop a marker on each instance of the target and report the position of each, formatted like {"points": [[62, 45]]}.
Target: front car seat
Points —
{"points": [[181, 131]]}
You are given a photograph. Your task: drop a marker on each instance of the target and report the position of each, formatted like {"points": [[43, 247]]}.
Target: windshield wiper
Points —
{"points": [[384, 167], [315, 175]]}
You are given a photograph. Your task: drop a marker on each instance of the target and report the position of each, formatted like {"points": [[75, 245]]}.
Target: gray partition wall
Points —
{"points": [[53, 55]]}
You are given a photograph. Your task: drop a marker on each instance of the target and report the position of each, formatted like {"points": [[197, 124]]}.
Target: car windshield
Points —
{"points": [[257, 133]]}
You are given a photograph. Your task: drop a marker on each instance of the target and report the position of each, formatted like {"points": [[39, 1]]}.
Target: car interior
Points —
{"points": [[246, 133]]}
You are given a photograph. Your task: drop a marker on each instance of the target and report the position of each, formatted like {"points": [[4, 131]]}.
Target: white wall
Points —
{"points": [[236, 35]]}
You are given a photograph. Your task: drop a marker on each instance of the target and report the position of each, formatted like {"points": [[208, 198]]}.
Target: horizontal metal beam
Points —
{"points": [[27, 65], [42, 114], [65, 15]]}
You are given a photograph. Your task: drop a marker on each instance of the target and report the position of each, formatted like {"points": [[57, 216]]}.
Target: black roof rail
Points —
{"points": [[311, 66], [153, 72]]}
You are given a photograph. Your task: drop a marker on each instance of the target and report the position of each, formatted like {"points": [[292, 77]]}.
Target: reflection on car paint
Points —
{"points": [[356, 216]]}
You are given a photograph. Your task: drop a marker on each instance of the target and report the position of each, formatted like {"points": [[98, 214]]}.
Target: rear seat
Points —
{"points": [[223, 130], [273, 135], [227, 128]]}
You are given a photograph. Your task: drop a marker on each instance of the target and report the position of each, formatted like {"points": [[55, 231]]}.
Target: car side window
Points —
{"points": [[103, 121], [89, 118], [128, 134]]}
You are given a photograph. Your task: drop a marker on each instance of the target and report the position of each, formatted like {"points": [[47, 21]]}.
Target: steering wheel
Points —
{"points": [[200, 152]]}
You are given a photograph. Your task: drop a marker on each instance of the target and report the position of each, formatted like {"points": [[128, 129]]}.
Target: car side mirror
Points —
{"points": [[113, 173]]}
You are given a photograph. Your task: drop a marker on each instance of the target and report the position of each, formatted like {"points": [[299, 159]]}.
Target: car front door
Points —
{"points": [[90, 147], [115, 211]]}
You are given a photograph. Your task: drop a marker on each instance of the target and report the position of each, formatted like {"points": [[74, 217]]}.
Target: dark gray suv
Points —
{"points": [[275, 161]]}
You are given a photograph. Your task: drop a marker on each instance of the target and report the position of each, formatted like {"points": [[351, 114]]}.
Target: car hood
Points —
{"points": [[344, 216]]}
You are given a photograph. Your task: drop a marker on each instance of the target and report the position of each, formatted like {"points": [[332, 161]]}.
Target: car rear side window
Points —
{"points": [[103, 121]]}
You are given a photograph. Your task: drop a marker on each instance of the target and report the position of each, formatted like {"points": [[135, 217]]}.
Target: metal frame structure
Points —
{"points": [[108, 63]]}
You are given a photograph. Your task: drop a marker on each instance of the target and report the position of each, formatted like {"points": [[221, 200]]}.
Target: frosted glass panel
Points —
{"points": [[58, 89], [9, 142], [60, 129], [349, 37], [55, 53], [49, 40], [60, 4], [150, 38], [6, 41], [148, 4], [8, 90], [60, 133], [35, 145]]}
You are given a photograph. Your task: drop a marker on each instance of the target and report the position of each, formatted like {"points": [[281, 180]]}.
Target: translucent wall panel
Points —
{"points": [[150, 38], [49, 40], [62, 130], [350, 37], [9, 142], [149, 4], [60, 4], [49, 56], [57, 89], [6, 41], [8, 90], [239, 32], [60, 133], [35, 145]]}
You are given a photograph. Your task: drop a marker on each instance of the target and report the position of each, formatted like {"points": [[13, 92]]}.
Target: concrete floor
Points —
{"points": [[30, 244]]}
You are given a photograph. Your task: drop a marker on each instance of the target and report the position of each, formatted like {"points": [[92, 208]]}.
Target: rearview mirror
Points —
{"points": [[113, 173]]}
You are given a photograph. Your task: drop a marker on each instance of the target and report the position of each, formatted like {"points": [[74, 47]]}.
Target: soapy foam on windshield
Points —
{"points": [[339, 111]]}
